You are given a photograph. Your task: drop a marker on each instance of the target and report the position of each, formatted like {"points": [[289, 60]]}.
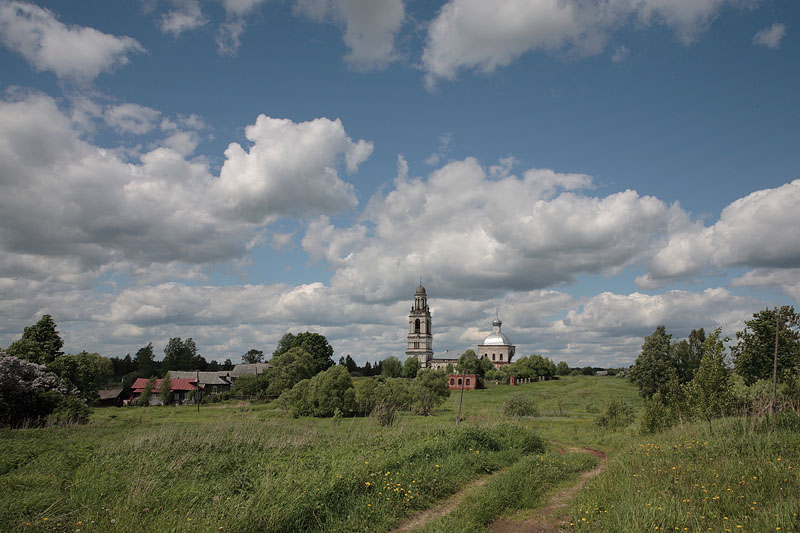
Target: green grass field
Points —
{"points": [[254, 468]]}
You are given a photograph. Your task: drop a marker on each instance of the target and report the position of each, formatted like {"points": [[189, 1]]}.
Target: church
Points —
{"points": [[496, 346]]}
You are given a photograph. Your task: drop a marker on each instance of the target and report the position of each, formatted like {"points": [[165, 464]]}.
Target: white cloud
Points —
{"points": [[73, 52], [371, 27], [752, 231], [620, 54], [230, 31], [787, 279], [474, 34], [185, 15], [71, 209], [771, 36], [472, 235], [131, 118]]}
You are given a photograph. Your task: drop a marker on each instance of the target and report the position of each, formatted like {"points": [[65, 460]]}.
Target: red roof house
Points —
{"points": [[179, 389]]}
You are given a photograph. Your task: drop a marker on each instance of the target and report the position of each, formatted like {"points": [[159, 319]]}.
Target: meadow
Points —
{"points": [[242, 467]]}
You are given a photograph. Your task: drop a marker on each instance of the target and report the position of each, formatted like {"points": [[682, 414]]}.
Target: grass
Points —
{"points": [[243, 467]]}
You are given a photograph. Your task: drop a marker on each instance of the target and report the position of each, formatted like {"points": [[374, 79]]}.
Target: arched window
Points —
{"points": [[459, 381], [416, 326], [452, 381], [501, 357], [493, 358], [467, 381]]}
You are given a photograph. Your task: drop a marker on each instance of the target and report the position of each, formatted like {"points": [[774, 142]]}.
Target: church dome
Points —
{"points": [[496, 337], [420, 289]]}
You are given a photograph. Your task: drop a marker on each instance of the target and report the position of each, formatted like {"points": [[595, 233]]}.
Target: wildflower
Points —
{"points": [[367, 483]]}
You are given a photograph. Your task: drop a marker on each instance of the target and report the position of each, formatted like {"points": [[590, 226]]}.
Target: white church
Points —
{"points": [[496, 346]]}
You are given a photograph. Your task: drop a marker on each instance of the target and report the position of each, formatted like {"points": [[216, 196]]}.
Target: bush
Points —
{"points": [[656, 416], [71, 410], [520, 405], [429, 389], [617, 414], [28, 392]]}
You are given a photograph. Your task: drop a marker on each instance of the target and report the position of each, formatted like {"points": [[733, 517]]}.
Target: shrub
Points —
{"points": [[71, 410], [429, 389], [519, 405], [28, 392], [617, 414], [656, 416]]}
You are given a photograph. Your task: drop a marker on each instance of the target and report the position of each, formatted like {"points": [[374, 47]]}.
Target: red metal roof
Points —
{"points": [[174, 385]]}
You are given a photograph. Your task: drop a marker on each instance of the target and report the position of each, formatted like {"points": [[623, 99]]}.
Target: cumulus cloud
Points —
{"points": [[750, 232], [473, 34], [472, 234], [289, 169], [371, 27], [771, 36], [71, 52], [787, 279], [71, 209], [185, 15]]}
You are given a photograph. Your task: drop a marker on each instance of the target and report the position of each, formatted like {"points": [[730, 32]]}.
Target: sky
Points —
{"points": [[233, 170]]}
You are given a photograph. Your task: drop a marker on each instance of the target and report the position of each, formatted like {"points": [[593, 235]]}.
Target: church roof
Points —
{"points": [[496, 337], [420, 289]]}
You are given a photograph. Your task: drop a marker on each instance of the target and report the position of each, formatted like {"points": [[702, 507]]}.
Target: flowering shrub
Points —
{"points": [[28, 392]]}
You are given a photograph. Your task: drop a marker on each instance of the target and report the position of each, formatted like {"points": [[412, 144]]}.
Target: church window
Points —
{"points": [[493, 358], [452, 381], [501, 357], [416, 326], [459, 381], [416, 345], [467, 381]]}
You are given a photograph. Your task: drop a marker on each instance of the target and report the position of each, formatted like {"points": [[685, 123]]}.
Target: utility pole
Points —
{"points": [[775, 365], [197, 393], [461, 400]]}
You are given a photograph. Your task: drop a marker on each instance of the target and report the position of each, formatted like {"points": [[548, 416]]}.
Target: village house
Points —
{"points": [[181, 391]]}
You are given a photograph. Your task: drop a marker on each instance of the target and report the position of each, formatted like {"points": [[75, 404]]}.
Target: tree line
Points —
{"points": [[699, 377]]}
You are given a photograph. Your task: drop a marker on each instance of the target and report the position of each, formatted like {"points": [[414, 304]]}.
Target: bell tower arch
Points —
{"points": [[420, 336]]}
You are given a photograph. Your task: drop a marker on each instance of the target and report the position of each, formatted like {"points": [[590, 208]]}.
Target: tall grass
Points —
{"points": [[741, 478]]}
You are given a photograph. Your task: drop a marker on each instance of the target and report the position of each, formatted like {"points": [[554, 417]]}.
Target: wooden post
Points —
{"points": [[775, 366], [197, 392], [461, 400]]}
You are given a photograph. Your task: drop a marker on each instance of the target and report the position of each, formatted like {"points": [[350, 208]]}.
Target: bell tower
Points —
{"points": [[420, 337]]}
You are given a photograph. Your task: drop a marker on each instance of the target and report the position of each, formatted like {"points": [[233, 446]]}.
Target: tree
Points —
{"points": [[144, 397], [182, 355], [562, 369], [288, 369], [655, 363], [428, 390], [165, 390], [411, 367], [350, 364], [322, 395], [40, 343], [85, 371], [146, 365], [123, 366], [754, 353], [391, 396], [253, 356], [688, 354], [227, 365], [313, 343], [468, 363], [391, 367], [710, 389], [250, 385], [28, 392]]}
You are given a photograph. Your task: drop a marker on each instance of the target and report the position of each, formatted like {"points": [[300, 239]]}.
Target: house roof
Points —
{"points": [[174, 385], [249, 368], [109, 394], [220, 377]]}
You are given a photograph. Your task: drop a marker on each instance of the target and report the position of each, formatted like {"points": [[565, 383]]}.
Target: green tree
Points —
{"points": [[350, 364], [313, 343], [182, 355], [288, 369], [655, 364], [227, 365], [753, 355], [428, 390], [251, 385], [562, 369], [391, 396], [468, 363], [253, 356], [391, 367], [40, 343], [144, 397], [710, 390], [688, 353], [411, 367], [323, 395], [85, 371], [164, 391], [146, 365]]}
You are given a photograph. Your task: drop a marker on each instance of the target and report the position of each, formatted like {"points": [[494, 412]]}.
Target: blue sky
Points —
{"points": [[231, 170]]}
